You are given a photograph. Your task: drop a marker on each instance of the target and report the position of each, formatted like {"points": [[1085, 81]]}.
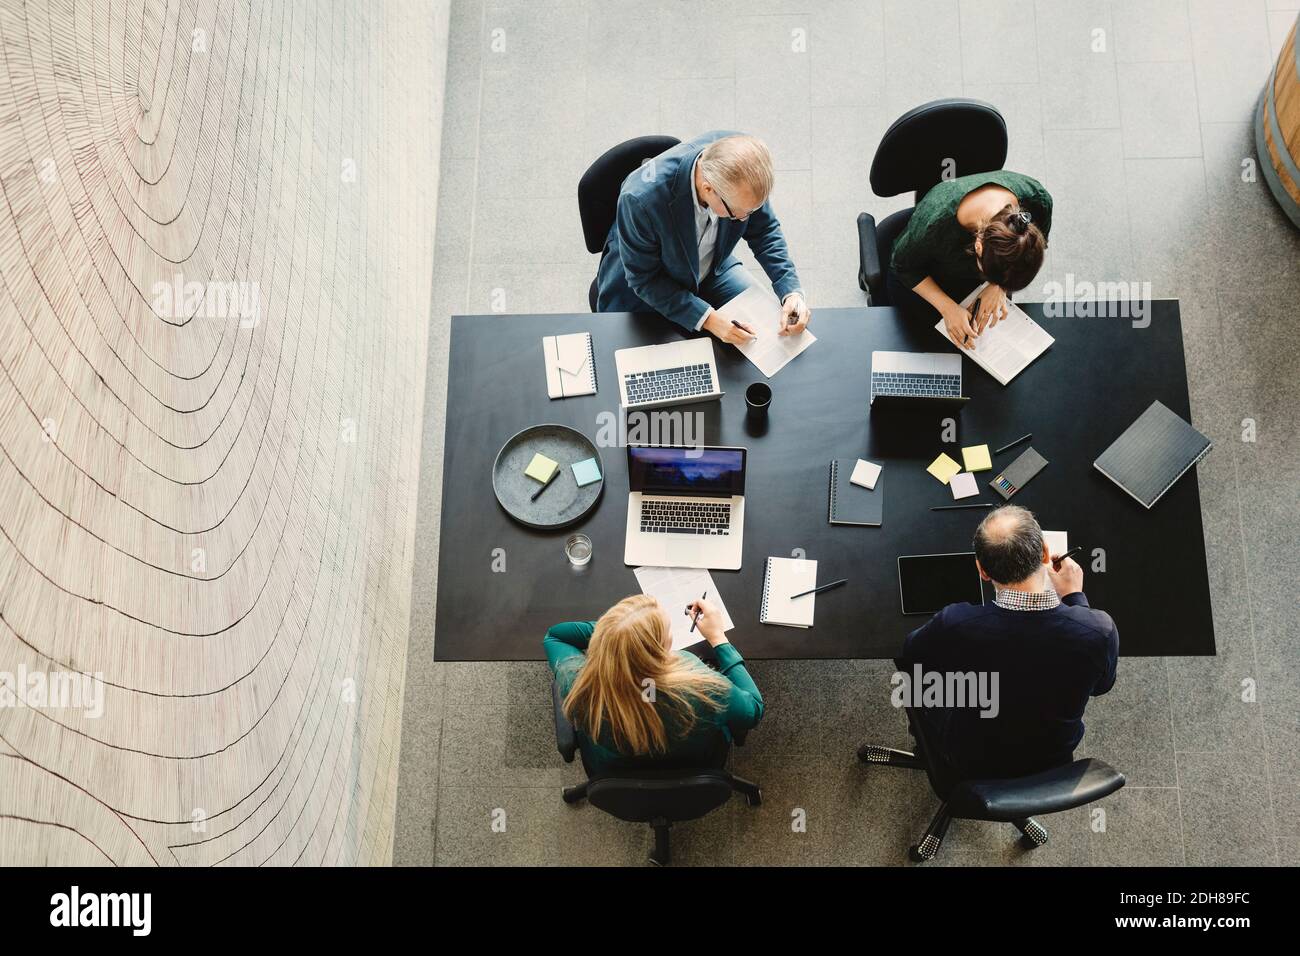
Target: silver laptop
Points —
{"points": [[671, 374], [685, 506], [916, 378]]}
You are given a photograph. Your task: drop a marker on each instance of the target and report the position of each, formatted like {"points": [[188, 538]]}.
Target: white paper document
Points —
{"points": [[770, 351], [675, 588], [1058, 542], [1006, 349]]}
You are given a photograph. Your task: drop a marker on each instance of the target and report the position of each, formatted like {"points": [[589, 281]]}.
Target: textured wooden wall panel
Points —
{"points": [[215, 254]]}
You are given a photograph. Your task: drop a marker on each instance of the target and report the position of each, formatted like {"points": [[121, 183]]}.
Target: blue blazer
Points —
{"points": [[652, 247]]}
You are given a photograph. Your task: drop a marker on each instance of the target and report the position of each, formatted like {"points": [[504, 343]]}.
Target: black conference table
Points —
{"points": [[1100, 374]]}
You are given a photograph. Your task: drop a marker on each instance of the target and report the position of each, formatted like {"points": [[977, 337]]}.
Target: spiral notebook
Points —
{"points": [[1153, 453], [853, 504], [570, 365], [784, 578]]}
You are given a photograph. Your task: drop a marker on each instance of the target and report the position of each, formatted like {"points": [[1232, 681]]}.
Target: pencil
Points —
{"points": [[974, 504], [1013, 444], [554, 475], [824, 587]]}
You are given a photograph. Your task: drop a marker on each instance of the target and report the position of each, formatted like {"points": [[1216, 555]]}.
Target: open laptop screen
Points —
{"points": [[686, 471]]}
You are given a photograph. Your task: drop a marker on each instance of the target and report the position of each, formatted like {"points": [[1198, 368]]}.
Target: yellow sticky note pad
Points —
{"points": [[977, 458], [541, 468], [943, 468]]}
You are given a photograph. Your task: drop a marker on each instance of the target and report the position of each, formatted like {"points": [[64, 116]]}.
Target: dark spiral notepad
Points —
{"points": [[853, 504], [1153, 453]]}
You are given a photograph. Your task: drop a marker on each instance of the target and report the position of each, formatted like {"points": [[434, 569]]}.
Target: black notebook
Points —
{"points": [[853, 504], [1153, 453]]}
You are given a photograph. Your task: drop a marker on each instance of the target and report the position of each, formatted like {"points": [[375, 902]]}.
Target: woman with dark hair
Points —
{"points": [[986, 227]]}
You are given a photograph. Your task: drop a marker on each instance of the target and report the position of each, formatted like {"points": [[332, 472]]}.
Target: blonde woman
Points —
{"points": [[633, 699]]}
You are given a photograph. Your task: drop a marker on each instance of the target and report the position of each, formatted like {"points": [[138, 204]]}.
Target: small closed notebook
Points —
{"points": [[570, 365], [853, 504], [784, 578], [1153, 453]]}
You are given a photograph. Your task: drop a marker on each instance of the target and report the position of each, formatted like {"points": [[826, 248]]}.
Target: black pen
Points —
{"points": [[973, 504], [697, 614], [545, 486], [1014, 443], [824, 587], [973, 312], [743, 329], [1069, 554]]}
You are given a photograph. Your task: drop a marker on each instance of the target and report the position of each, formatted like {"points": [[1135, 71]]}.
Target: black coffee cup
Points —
{"points": [[758, 399]]}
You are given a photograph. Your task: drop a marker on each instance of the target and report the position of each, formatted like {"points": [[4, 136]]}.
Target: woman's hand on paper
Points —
{"points": [[957, 322], [711, 620], [992, 308]]}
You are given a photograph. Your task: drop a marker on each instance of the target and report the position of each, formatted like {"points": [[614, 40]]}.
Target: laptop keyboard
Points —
{"points": [[914, 384], [668, 516], [667, 384]]}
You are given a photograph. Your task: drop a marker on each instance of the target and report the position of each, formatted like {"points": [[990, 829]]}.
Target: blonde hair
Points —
{"points": [[739, 160], [631, 643]]}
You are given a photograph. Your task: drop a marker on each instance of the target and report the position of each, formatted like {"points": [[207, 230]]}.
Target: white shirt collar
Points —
{"points": [[702, 213]]}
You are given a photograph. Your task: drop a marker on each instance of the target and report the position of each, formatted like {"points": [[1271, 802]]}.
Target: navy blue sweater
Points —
{"points": [[1048, 664]]}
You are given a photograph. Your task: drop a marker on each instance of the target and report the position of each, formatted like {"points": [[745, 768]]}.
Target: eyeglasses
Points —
{"points": [[727, 206]]}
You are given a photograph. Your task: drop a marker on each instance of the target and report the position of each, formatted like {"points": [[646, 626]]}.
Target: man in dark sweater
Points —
{"points": [[1050, 652]]}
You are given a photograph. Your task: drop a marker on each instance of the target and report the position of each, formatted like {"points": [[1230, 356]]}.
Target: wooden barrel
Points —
{"points": [[1277, 128]]}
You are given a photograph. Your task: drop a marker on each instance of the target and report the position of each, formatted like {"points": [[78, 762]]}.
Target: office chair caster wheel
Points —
{"points": [[927, 849], [1033, 835], [871, 753], [755, 799]]}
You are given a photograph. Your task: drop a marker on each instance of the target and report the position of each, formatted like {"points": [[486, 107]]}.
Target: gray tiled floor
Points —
{"points": [[1136, 116]]}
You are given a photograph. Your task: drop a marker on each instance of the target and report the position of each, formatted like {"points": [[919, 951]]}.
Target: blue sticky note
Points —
{"points": [[585, 472]]}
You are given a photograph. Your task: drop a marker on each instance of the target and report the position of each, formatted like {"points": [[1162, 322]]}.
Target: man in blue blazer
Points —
{"points": [[1047, 648], [679, 218]]}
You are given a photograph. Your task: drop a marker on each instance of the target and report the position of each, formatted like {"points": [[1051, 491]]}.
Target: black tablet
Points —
{"points": [[930, 582]]}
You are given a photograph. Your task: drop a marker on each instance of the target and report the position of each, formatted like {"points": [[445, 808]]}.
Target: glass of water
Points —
{"points": [[578, 549]]}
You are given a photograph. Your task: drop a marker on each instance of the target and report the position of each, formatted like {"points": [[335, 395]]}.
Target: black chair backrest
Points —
{"points": [[598, 188], [644, 795], [937, 140]]}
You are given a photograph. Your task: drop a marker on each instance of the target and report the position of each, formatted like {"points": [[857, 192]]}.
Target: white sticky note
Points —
{"points": [[865, 474], [963, 485]]}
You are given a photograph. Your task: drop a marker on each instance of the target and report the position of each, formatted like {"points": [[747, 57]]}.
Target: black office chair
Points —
{"points": [[1015, 801], [936, 140], [598, 189], [659, 796]]}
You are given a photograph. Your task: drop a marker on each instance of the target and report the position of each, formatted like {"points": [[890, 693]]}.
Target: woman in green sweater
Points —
{"points": [[633, 699], [987, 227]]}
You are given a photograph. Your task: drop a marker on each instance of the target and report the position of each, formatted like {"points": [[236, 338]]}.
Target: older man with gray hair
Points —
{"points": [[679, 218], [1050, 650]]}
